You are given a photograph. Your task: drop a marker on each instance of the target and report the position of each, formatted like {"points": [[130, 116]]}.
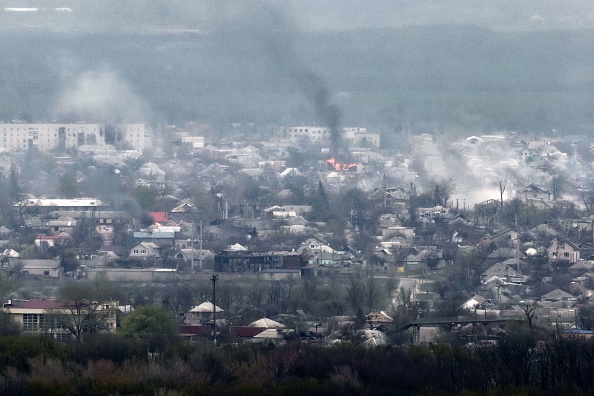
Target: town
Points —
{"points": [[324, 248], [288, 197]]}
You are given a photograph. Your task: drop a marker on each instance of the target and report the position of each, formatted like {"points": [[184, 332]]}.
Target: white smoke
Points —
{"points": [[98, 96]]}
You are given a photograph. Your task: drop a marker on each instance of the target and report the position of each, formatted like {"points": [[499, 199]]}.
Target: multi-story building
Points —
{"points": [[20, 137], [354, 135], [313, 133], [245, 261], [360, 136], [88, 206], [60, 320]]}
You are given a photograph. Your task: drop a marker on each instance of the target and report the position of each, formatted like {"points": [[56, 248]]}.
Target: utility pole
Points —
{"points": [[200, 241], [192, 245], [214, 280]]}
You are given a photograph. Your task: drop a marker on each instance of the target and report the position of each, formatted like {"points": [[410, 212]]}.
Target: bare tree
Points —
{"points": [[530, 311], [502, 186], [82, 303], [356, 293], [228, 295], [256, 292], [557, 186], [279, 293], [442, 191], [372, 292]]}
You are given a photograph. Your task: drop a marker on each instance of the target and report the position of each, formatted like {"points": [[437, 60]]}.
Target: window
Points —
{"points": [[30, 322], [45, 322], [566, 254]]}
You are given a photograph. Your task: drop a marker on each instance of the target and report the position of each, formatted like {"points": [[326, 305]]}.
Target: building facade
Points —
{"points": [[245, 261], [354, 135], [21, 137], [53, 318]]}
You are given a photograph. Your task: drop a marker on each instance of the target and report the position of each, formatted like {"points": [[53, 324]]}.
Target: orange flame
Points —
{"points": [[340, 166]]}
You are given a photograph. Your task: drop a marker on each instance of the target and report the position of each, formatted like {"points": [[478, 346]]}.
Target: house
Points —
{"points": [[38, 268], [194, 257], [474, 302], [145, 250], [64, 224], [377, 319], [47, 317], [52, 240], [563, 251], [532, 191], [156, 236], [200, 314], [500, 270], [185, 207], [507, 239], [556, 296], [153, 172], [267, 324], [581, 267]]}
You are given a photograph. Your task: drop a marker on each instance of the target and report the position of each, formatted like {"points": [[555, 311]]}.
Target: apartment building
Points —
{"points": [[18, 137]]}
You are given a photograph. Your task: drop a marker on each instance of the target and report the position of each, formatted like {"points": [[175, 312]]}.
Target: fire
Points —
{"points": [[340, 166]]}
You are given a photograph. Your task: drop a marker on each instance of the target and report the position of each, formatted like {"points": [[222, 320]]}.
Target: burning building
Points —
{"points": [[341, 166]]}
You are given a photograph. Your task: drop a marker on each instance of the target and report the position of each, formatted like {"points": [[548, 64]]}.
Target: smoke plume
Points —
{"points": [[98, 96], [270, 26]]}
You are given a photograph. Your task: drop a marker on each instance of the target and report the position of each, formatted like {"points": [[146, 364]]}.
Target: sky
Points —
{"points": [[203, 15]]}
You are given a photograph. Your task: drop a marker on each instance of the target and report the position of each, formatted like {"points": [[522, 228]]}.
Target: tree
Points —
{"points": [[502, 186], [67, 185], [279, 293], [83, 302], [178, 298], [355, 289], [8, 326], [152, 325], [146, 197], [86, 237], [320, 204], [443, 191], [372, 291], [14, 191], [530, 311], [557, 186]]}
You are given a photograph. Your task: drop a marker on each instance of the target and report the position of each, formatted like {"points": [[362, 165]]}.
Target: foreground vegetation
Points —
{"points": [[118, 364]]}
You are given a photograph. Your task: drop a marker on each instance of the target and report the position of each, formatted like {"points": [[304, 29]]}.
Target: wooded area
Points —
{"points": [[119, 364]]}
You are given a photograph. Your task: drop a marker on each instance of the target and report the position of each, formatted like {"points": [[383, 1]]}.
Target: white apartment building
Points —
{"points": [[20, 137], [357, 136], [354, 135], [313, 133]]}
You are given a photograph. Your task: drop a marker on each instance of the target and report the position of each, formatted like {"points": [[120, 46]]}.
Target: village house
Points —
{"points": [[532, 192], [33, 268], [145, 250], [563, 251]]}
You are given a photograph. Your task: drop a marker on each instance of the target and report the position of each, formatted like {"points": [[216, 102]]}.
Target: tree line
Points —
{"points": [[120, 364]]}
